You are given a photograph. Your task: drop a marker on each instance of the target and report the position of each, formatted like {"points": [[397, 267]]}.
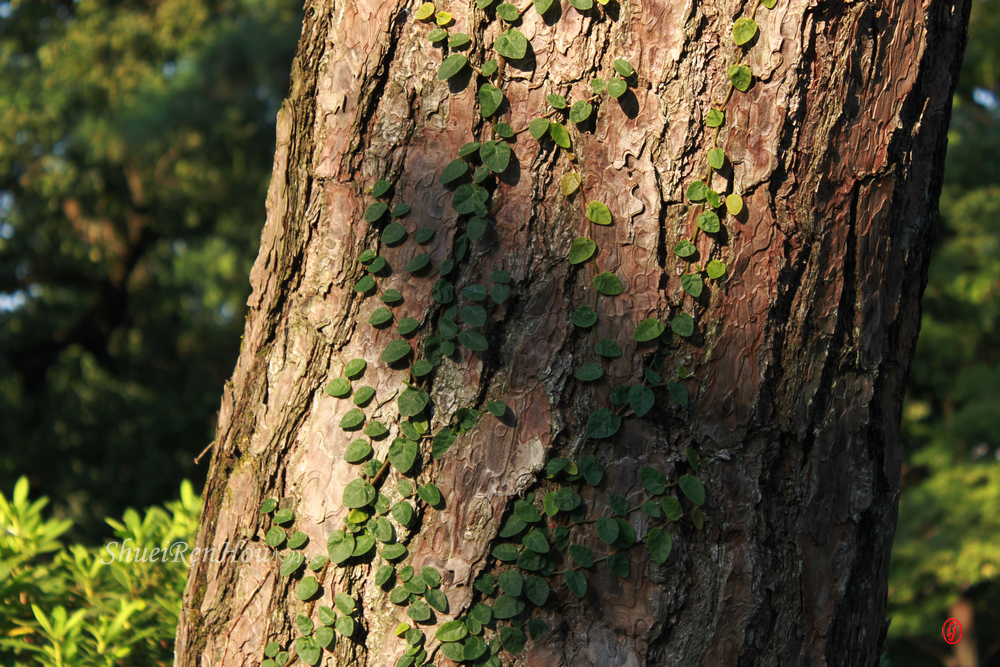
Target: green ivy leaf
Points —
{"points": [[429, 494], [697, 191], [297, 540], [489, 67], [511, 583], [443, 291], [436, 35], [380, 316], [473, 340], [495, 155], [576, 583], [603, 424], [390, 296], [692, 488], [508, 12], [618, 505], [358, 493], [367, 256], [582, 249], [357, 451], [607, 348], [338, 388], [618, 563], [365, 284], [474, 315], [511, 44], [741, 77], [589, 372], [513, 639], [715, 118], [653, 480], [469, 197], [443, 440], [538, 128], [422, 368], [394, 233], [407, 325], [454, 171], [396, 350], [685, 248], [393, 551], [535, 540], [641, 399], [556, 101], [580, 111], [591, 469], [693, 458], [569, 183], [598, 213], [380, 188], [352, 420], [419, 262], [375, 212], [709, 222], [402, 513], [542, 6], [648, 330], [623, 68], [490, 99], [291, 564], [425, 11], [451, 66], [744, 30], [403, 454], [505, 552], [607, 283], [412, 401], [451, 631], [598, 85], [458, 40], [466, 418], [581, 555], [716, 269], [340, 546], [507, 607], [616, 87], [682, 325], [671, 507], [497, 408], [468, 149], [584, 316], [559, 135], [499, 293], [734, 204], [307, 649], [692, 284], [716, 158], [306, 588], [399, 210]]}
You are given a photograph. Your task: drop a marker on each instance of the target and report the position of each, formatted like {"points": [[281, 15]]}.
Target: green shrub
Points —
{"points": [[69, 605]]}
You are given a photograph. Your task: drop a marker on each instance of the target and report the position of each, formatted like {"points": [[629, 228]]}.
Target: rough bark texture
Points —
{"points": [[801, 354]]}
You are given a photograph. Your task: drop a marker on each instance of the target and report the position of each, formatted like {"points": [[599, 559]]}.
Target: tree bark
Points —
{"points": [[800, 355]]}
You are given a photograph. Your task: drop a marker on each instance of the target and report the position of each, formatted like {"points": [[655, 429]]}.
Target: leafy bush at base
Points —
{"points": [[68, 605]]}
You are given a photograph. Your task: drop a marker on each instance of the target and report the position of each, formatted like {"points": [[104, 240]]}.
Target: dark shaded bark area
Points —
{"points": [[800, 356]]}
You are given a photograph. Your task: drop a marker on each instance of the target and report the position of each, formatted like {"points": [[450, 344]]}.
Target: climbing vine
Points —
{"points": [[542, 542]]}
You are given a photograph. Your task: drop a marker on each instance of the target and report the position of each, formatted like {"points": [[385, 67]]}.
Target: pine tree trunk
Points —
{"points": [[799, 358]]}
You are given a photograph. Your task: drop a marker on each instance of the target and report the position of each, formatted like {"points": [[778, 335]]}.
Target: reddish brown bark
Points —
{"points": [[801, 355]]}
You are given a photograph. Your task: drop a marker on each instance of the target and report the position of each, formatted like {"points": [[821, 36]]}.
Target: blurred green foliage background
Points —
{"points": [[136, 144], [136, 141]]}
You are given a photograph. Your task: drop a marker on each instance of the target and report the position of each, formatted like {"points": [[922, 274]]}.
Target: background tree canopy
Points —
{"points": [[948, 539], [136, 141]]}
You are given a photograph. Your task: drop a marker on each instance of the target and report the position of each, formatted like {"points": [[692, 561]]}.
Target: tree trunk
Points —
{"points": [[799, 357]]}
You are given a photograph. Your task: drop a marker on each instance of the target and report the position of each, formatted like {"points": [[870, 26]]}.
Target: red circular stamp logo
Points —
{"points": [[952, 631]]}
